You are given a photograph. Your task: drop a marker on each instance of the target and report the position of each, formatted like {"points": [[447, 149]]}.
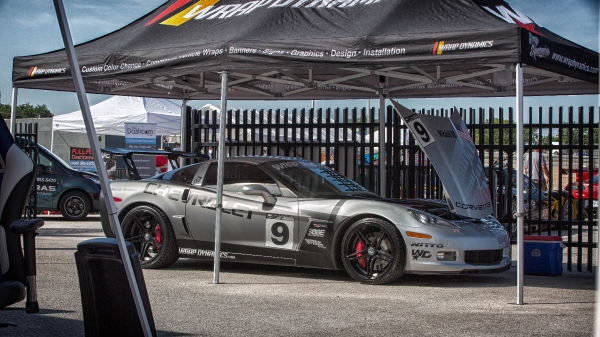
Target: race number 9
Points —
{"points": [[420, 132], [280, 232]]}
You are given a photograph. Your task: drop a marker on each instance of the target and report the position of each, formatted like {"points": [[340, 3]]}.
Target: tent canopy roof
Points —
{"points": [[111, 115], [322, 49]]}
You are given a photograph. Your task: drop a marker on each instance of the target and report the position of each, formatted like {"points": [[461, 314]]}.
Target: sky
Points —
{"points": [[30, 27]]}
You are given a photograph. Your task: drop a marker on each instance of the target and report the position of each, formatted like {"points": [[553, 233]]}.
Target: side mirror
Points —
{"points": [[255, 189], [40, 169]]}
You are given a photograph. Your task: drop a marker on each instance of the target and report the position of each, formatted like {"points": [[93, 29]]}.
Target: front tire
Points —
{"points": [[74, 206], [373, 252], [150, 231]]}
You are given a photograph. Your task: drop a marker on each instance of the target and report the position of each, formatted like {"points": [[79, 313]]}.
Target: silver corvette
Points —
{"points": [[290, 211]]}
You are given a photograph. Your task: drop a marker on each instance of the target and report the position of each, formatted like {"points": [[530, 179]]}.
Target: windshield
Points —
{"points": [[55, 157], [311, 180]]}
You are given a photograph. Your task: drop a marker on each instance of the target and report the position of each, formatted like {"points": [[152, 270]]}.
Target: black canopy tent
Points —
{"points": [[321, 49], [325, 49]]}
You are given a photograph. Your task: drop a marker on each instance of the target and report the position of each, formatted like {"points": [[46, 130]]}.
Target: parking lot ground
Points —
{"points": [[284, 301]]}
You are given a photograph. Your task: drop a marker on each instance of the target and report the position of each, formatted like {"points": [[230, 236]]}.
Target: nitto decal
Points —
{"points": [[422, 244], [418, 253]]}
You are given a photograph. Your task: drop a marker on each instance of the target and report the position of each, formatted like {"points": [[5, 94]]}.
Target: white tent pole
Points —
{"points": [[13, 111], [100, 167], [382, 166], [520, 183], [220, 170], [52, 140]]}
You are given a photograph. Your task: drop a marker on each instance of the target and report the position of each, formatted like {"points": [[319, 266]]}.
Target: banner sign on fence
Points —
{"points": [[448, 144], [82, 158], [142, 136]]}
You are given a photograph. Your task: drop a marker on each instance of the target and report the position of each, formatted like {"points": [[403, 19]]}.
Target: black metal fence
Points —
{"points": [[348, 141], [26, 138]]}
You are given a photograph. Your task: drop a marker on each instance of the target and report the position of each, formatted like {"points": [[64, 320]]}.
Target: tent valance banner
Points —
{"points": [[111, 115], [298, 49]]}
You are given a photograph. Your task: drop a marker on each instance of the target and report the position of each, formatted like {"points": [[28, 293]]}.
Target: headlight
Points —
{"points": [[507, 251], [93, 178], [429, 219]]}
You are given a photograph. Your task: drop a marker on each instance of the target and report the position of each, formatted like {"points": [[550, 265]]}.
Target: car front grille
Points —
{"points": [[483, 257]]}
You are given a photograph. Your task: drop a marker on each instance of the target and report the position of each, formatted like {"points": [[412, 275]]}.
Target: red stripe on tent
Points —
{"points": [[435, 45], [31, 70], [167, 11]]}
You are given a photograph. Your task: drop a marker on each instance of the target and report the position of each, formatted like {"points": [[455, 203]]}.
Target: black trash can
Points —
{"points": [[108, 305]]}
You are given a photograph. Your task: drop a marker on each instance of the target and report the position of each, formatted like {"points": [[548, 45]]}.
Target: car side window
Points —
{"points": [[238, 175], [49, 164], [184, 175]]}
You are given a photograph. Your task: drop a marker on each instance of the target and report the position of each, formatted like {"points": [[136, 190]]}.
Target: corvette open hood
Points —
{"points": [[448, 144]]}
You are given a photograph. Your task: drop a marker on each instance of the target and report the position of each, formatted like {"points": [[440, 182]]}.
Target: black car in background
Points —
{"points": [[62, 188]]}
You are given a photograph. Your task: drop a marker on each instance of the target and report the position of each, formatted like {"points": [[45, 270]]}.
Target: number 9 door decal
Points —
{"points": [[279, 231]]}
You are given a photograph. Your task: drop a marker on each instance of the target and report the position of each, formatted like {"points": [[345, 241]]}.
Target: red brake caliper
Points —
{"points": [[359, 248], [158, 234]]}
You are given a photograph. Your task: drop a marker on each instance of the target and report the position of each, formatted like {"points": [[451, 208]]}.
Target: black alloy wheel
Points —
{"points": [[150, 231], [373, 251], [74, 206]]}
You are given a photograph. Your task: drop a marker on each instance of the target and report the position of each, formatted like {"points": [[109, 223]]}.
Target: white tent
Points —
{"points": [[110, 115]]}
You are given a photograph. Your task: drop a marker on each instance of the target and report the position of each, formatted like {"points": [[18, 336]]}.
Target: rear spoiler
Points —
{"points": [[128, 154]]}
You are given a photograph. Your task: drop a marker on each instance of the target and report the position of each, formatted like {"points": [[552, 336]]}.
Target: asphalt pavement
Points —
{"points": [[256, 300]]}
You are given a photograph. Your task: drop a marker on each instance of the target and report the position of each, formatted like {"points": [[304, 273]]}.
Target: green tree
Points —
{"points": [[571, 136], [502, 135], [26, 110], [5, 111]]}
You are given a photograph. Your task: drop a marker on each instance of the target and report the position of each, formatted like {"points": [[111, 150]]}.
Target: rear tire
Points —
{"points": [[373, 251], [150, 231], [74, 206]]}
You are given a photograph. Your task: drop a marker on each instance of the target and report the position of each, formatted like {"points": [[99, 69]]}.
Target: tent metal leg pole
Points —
{"points": [[520, 182], [220, 170], [100, 167], [13, 111], [382, 166], [182, 139], [597, 306]]}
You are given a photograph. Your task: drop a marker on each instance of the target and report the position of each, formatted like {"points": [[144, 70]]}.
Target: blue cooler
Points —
{"points": [[543, 255]]}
